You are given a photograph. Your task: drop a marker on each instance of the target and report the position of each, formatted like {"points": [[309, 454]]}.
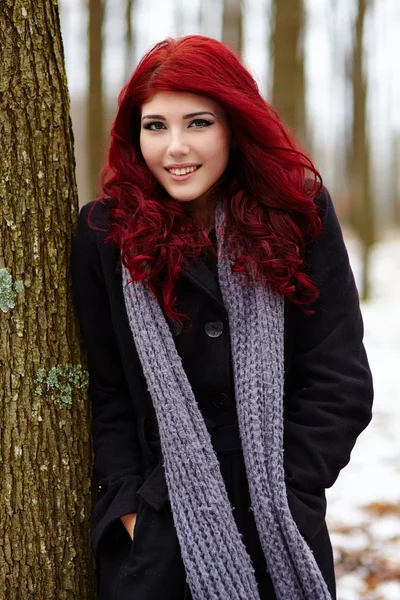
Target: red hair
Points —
{"points": [[268, 187]]}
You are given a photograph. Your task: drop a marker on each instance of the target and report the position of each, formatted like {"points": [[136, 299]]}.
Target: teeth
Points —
{"points": [[182, 171]]}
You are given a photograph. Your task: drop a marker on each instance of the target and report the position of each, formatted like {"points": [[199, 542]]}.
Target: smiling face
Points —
{"points": [[185, 142]]}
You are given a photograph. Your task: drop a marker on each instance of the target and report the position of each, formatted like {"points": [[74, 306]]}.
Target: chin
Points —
{"points": [[185, 198]]}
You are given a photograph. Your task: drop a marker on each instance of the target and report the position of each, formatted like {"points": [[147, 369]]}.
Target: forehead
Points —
{"points": [[179, 103]]}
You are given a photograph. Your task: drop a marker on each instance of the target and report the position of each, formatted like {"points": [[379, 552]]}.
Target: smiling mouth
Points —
{"points": [[184, 171]]}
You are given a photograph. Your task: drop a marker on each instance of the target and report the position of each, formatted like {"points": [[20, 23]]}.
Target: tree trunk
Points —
{"points": [[45, 446], [361, 206], [200, 17], [96, 139], [395, 180], [232, 25], [129, 39], [288, 91], [179, 14]]}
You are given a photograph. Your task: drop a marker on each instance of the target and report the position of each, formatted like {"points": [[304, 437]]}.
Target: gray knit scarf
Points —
{"points": [[217, 564]]}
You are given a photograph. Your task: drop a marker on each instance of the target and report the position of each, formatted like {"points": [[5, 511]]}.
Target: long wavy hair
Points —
{"points": [[269, 184]]}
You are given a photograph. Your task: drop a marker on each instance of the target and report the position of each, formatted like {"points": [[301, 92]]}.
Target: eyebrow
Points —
{"points": [[189, 116]]}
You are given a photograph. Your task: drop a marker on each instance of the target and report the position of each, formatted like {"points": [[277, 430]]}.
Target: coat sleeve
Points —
{"points": [[328, 398], [117, 461]]}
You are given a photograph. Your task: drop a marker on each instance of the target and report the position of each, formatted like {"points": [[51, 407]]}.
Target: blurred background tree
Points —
{"points": [[232, 25], [95, 117], [395, 179], [362, 213], [289, 87], [130, 43]]}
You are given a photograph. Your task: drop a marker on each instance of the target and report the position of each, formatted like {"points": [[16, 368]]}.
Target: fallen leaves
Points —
{"points": [[370, 549]]}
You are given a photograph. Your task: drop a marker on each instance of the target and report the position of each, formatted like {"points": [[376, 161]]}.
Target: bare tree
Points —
{"points": [[95, 116], [232, 25], [395, 179], [45, 449], [200, 16], [179, 13], [288, 90], [129, 38], [361, 206]]}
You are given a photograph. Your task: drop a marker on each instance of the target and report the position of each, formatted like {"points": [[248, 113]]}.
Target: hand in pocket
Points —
{"points": [[129, 522]]}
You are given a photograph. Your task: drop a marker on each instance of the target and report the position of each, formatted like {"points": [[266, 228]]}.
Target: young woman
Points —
{"points": [[228, 377]]}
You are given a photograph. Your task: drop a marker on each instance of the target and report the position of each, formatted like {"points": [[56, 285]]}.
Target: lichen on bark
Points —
{"points": [[59, 383], [8, 290]]}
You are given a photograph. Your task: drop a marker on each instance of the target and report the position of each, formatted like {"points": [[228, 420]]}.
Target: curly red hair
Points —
{"points": [[269, 184]]}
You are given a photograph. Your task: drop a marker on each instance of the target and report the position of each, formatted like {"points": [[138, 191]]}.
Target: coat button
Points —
{"points": [[176, 327], [214, 328], [222, 402]]}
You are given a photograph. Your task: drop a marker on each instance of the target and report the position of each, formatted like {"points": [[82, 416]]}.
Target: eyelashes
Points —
{"points": [[195, 124], [152, 126], [204, 122]]}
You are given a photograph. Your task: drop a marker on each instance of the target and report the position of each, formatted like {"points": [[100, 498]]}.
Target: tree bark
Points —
{"points": [[45, 448], [96, 138], [288, 91], [232, 25], [361, 208]]}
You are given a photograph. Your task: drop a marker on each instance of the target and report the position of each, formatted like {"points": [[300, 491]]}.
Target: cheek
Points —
{"points": [[149, 152], [219, 155], [221, 147]]}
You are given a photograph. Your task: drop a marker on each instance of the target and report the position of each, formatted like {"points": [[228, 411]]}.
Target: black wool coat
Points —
{"points": [[327, 403]]}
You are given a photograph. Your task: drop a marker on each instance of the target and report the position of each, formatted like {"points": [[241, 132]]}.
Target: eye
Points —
{"points": [[154, 126], [200, 123]]}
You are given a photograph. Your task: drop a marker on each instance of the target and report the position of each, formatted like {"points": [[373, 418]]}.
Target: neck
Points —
{"points": [[205, 215]]}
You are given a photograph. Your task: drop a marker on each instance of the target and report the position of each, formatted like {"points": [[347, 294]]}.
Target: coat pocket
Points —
{"points": [[131, 551], [154, 490], [153, 567], [308, 511]]}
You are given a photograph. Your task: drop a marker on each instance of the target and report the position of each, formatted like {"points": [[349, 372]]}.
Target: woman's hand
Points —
{"points": [[129, 522]]}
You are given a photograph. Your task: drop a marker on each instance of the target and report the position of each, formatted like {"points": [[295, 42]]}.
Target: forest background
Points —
{"points": [[330, 68]]}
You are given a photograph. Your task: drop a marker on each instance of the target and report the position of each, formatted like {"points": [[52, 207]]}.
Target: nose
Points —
{"points": [[177, 145]]}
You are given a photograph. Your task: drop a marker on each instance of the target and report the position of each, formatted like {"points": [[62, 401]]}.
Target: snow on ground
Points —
{"points": [[364, 504]]}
